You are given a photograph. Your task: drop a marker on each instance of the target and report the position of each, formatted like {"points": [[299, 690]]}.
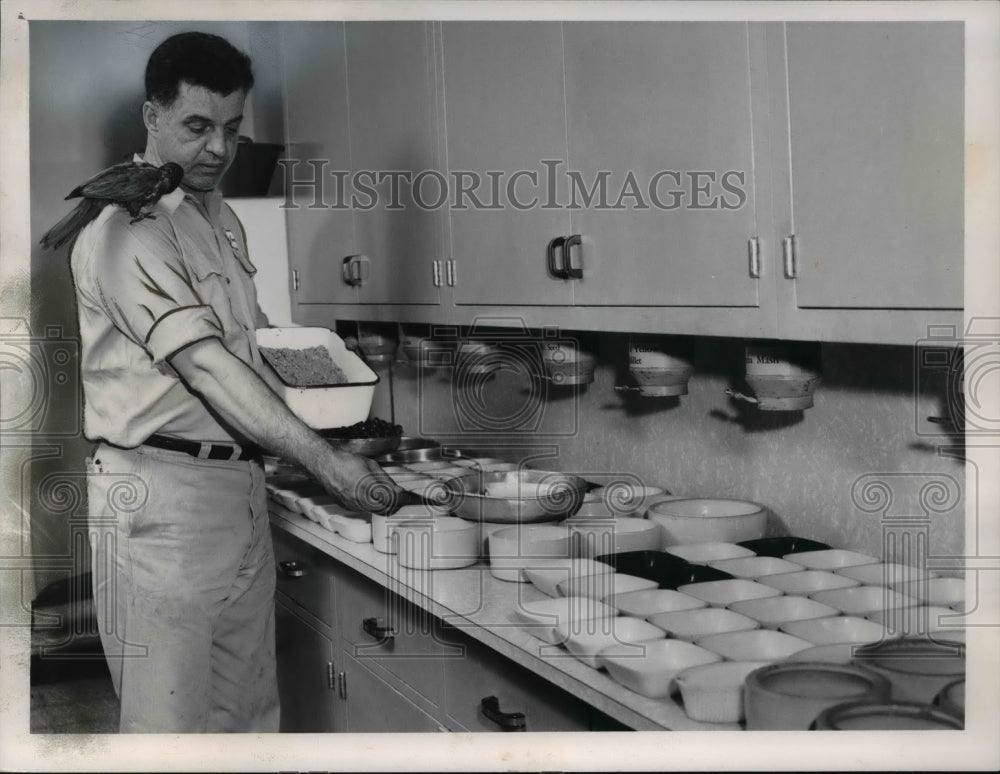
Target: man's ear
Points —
{"points": [[152, 114]]}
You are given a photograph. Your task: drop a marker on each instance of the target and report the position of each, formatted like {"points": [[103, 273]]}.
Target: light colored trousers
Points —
{"points": [[184, 590]]}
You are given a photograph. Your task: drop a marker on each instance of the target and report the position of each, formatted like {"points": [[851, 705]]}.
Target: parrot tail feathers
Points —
{"points": [[69, 227]]}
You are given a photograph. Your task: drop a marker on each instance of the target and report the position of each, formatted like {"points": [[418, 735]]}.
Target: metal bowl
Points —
{"points": [[366, 447], [563, 498], [411, 449]]}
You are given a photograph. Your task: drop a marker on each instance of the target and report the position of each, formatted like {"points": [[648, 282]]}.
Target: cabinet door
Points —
{"points": [[504, 113], [375, 706], [391, 83], [875, 112], [320, 235], [666, 104], [305, 659]]}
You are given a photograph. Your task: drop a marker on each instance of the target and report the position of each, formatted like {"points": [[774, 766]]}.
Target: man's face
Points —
{"points": [[199, 131]]}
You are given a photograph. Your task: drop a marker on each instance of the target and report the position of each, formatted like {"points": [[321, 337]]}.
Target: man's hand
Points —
{"points": [[361, 485], [242, 398]]}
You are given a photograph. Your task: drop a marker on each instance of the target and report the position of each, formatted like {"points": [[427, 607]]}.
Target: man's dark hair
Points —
{"points": [[199, 59]]}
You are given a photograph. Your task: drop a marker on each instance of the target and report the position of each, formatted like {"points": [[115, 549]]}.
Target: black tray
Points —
{"points": [[668, 571], [780, 546]]}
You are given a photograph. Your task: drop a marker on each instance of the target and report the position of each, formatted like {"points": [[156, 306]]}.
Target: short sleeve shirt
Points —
{"points": [[145, 291]]}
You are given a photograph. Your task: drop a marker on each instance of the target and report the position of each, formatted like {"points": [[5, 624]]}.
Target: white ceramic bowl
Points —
{"points": [[753, 567], [444, 474], [542, 618], [917, 668], [830, 559], [356, 527], [547, 577], [884, 573], [772, 612], [725, 592], [917, 620], [789, 696], [627, 499], [604, 586], [837, 653], [594, 537], [442, 543], [703, 553], [305, 505], [382, 525], [808, 582], [642, 604], [840, 628], [587, 641], [694, 624], [391, 470], [713, 693], [862, 600], [652, 674], [705, 520], [944, 591], [753, 645], [513, 548]]}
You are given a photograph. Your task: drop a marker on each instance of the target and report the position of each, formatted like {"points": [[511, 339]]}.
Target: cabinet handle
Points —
{"points": [[508, 721], [292, 569], [342, 683], [295, 279], [436, 273], [791, 259], [450, 266], [372, 629], [356, 269], [550, 257], [754, 251], [329, 675], [572, 272]]}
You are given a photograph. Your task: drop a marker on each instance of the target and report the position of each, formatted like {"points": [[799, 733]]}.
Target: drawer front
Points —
{"points": [[482, 673], [304, 575], [414, 651]]}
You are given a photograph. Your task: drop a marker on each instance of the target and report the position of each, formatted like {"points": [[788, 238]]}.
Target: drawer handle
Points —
{"points": [[508, 721], [372, 629], [292, 569], [571, 271]]}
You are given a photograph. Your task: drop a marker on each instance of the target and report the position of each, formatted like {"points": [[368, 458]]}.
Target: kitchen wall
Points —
{"points": [[818, 470], [86, 90]]}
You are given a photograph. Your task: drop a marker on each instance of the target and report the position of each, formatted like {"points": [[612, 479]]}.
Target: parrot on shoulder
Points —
{"points": [[131, 184]]}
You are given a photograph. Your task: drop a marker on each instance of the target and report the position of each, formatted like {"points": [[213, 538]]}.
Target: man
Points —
{"points": [[176, 393]]}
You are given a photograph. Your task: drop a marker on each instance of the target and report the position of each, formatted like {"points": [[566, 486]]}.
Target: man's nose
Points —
{"points": [[217, 143]]}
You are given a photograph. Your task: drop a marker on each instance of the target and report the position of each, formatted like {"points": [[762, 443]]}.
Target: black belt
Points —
{"points": [[204, 450]]}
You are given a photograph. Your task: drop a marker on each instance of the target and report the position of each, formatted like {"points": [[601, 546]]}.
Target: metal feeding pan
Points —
{"points": [[525, 496], [412, 449]]}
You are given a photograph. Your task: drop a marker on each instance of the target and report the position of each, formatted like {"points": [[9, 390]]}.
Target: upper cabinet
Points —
{"points": [[393, 136], [867, 133], [503, 86], [320, 236], [875, 152], [787, 180], [662, 113]]}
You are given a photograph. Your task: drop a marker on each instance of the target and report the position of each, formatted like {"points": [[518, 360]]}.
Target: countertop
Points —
{"points": [[482, 606]]}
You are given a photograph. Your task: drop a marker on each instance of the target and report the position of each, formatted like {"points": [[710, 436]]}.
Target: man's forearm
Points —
{"points": [[250, 406]]}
